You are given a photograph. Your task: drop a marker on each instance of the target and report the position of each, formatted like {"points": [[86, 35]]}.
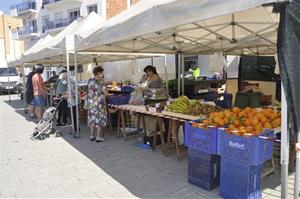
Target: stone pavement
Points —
{"points": [[69, 168]]}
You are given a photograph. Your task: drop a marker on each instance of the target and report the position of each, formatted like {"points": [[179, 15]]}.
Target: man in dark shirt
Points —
{"points": [[29, 93]]}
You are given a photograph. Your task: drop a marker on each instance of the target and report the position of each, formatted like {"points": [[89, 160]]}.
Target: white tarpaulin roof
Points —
{"points": [[188, 26], [54, 51], [41, 42]]}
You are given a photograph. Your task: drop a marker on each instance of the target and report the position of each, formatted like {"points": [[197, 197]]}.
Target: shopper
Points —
{"points": [[153, 79], [72, 105], [38, 90], [29, 93], [97, 112], [61, 90]]}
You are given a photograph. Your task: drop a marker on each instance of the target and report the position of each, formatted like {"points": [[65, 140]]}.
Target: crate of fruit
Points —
{"points": [[239, 180], [200, 137], [203, 169], [251, 150]]}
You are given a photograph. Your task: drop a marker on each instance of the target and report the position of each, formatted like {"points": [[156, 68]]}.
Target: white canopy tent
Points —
{"points": [[190, 27], [60, 48], [195, 27]]}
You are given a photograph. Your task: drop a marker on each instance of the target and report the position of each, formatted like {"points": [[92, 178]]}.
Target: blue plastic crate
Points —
{"points": [[249, 150], [203, 169], [118, 99], [239, 181], [127, 89], [201, 139]]}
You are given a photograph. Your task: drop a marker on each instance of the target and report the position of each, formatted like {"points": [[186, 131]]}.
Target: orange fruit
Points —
{"points": [[250, 115], [263, 119], [248, 109], [231, 127], [274, 115], [221, 123], [205, 122], [276, 123], [249, 129], [236, 123], [242, 114], [254, 122], [236, 110], [247, 122], [268, 125], [258, 128], [227, 113]]}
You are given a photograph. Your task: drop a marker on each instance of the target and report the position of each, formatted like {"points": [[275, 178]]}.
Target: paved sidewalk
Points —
{"points": [[66, 167]]}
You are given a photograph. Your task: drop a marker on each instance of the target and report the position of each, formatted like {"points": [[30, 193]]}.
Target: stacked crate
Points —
{"points": [[203, 161], [242, 159]]}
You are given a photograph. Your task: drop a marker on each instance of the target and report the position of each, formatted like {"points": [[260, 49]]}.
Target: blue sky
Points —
{"points": [[4, 4]]}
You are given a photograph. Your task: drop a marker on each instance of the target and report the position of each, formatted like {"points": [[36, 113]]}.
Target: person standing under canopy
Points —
{"points": [[153, 79], [38, 90], [97, 112]]}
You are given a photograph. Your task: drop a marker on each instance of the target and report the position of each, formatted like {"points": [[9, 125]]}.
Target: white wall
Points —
{"points": [[3, 62], [203, 62], [121, 70]]}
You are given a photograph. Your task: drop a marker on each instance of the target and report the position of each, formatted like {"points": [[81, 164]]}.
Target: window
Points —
{"points": [[74, 14], [8, 72], [92, 8], [45, 20]]}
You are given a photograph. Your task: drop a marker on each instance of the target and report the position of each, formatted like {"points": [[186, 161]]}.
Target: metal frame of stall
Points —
{"points": [[170, 40], [103, 53]]}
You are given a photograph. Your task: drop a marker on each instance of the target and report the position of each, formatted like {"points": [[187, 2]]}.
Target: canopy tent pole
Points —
{"points": [[166, 74], [8, 80], [284, 146], [24, 89], [297, 172], [178, 74], [76, 95], [182, 73], [69, 87]]}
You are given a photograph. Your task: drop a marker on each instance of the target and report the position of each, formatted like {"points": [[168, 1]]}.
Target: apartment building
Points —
{"points": [[9, 48], [40, 17]]}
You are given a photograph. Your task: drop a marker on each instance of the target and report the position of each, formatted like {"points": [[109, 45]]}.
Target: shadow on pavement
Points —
{"points": [[143, 172]]}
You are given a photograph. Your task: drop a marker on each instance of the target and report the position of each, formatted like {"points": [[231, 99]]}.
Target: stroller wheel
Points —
{"points": [[34, 134], [42, 137], [52, 131], [58, 133]]}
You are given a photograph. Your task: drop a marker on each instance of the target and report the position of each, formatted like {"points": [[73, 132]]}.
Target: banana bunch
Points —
{"points": [[180, 105]]}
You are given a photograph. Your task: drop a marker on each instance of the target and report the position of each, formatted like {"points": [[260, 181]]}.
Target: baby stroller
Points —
{"points": [[45, 126]]}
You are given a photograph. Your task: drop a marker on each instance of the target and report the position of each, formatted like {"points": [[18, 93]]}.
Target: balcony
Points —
{"points": [[58, 3], [28, 7], [58, 24], [27, 31]]}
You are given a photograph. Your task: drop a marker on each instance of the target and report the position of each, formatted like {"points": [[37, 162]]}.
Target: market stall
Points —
{"points": [[248, 27], [232, 28]]}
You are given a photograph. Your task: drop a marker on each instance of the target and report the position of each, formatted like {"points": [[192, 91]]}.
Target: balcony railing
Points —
{"points": [[45, 2], [27, 30], [59, 23], [28, 5]]}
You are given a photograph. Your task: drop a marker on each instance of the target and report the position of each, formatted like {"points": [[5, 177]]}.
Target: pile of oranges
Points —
{"points": [[245, 121]]}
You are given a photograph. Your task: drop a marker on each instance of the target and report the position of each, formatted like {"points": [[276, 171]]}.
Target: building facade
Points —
{"points": [[9, 48], [41, 17]]}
